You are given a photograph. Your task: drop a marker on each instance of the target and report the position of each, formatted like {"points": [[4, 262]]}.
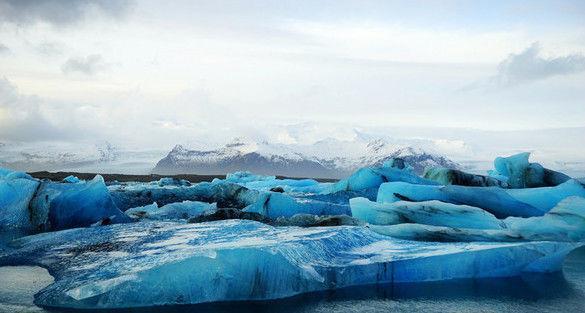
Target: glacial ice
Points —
{"points": [[267, 183], [434, 212], [166, 263], [16, 191], [520, 173], [438, 221], [71, 179], [498, 201], [372, 177], [67, 205], [274, 205], [172, 211], [447, 176], [225, 194]]}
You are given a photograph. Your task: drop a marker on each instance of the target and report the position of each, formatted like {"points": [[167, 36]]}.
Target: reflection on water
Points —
{"points": [[560, 292]]}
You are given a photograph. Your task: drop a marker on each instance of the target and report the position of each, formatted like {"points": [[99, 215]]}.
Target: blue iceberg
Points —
{"points": [[434, 212], [520, 173], [438, 221], [16, 191], [166, 263], [274, 205], [172, 211], [68, 205], [498, 201], [372, 177]]}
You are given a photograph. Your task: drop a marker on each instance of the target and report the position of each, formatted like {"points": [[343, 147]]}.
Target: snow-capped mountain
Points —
{"points": [[328, 158]]}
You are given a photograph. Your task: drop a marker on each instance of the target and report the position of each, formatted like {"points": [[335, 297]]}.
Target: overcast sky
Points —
{"points": [[159, 72]]}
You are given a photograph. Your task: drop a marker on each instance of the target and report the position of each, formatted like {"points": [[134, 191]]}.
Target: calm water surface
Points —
{"points": [[562, 292]]}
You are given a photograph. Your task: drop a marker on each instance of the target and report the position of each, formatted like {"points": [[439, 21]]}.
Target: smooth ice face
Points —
{"points": [[173, 211], [67, 205], [165, 263], [520, 173], [428, 212], [373, 177], [274, 205], [500, 202], [16, 191]]}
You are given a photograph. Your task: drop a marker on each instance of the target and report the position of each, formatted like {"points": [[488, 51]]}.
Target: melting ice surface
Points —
{"points": [[156, 263]]}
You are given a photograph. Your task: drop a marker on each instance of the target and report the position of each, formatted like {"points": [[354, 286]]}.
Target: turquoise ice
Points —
{"points": [[166, 263]]}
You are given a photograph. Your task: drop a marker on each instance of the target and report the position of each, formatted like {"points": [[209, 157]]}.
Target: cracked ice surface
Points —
{"points": [[160, 263]]}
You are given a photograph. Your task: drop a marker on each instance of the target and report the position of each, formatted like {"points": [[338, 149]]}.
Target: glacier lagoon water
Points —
{"points": [[560, 292]]}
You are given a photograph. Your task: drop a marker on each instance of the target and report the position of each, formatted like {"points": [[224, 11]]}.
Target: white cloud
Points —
{"points": [[530, 65], [90, 65]]}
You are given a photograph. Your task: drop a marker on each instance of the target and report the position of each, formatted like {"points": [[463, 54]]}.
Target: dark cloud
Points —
{"points": [[529, 65], [59, 12], [90, 65], [21, 117]]}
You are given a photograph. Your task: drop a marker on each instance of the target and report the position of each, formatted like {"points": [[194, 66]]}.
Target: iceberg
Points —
{"points": [[428, 212], [447, 176], [432, 233], [167, 263], [274, 205], [565, 222], [16, 191], [437, 221], [67, 205], [71, 179], [225, 194], [520, 173], [372, 177], [498, 201], [178, 210], [271, 183]]}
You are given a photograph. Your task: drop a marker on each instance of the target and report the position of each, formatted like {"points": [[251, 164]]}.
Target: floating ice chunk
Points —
{"points": [[447, 176], [178, 210], [171, 181], [309, 220], [274, 205], [523, 174], [500, 202], [432, 233], [428, 212], [246, 177], [373, 177], [71, 179], [163, 263], [565, 222], [225, 194], [16, 191], [60, 206], [268, 183], [545, 198]]}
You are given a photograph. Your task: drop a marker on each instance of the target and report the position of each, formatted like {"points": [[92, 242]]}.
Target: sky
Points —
{"points": [[160, 72]]}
